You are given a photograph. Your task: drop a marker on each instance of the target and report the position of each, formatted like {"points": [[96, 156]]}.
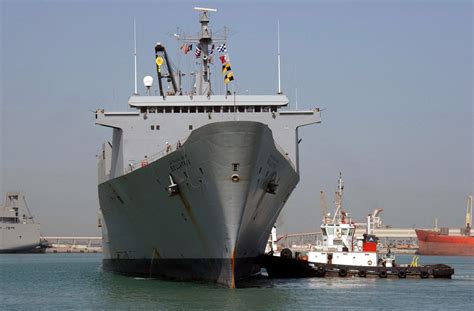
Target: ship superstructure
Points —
{"points": [[18, 231], [192, 183]]}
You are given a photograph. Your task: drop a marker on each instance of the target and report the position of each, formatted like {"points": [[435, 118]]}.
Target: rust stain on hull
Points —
{"points": [[191, 216], [234, 253]]}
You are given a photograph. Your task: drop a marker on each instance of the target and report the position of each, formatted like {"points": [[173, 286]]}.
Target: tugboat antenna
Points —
{"points": [[279, 69]]}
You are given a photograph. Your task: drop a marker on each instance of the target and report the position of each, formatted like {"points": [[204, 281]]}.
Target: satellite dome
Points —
{"points": [[148, 81]]}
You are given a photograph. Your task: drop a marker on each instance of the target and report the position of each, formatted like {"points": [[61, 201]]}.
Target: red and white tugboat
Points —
{"points": [[341, 254], [340, 248]]}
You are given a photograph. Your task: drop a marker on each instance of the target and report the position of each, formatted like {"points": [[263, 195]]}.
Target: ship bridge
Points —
{"points": [[216, 103], [161, 124]]}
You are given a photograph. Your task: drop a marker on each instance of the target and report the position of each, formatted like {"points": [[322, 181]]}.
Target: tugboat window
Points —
{"points": [[152, 127], [190, 127], [235, 167]]}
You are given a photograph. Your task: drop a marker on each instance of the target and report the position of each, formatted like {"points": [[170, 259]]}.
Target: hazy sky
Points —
{"points": [[395, 78]]}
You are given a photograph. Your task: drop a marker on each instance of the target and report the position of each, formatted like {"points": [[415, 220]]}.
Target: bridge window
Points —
{"points": [[200, 109], [157, 127], [185, 109], [217, 108], [225, 109], [167, 109], [208, 109], [151, 110], [159, 109], [323, 231], [241, 109], [176, 109], [152, 127], [258, 108], [192, 109], [190, 127]]}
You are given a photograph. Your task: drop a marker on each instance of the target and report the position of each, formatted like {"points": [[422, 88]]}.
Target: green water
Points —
{"points": [[76, 281]]}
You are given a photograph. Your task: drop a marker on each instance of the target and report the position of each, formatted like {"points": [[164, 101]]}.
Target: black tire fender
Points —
{"points": [[402, 274], [383, 274], [424, 274], [342, 272], [286, 253], [362, 273]]}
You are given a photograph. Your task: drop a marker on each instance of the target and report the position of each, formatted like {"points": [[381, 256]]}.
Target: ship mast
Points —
{"points": [[340, 187], [205, 40]]}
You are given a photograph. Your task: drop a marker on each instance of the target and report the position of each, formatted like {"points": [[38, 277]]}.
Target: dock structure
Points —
{"points": [[71, 244]]}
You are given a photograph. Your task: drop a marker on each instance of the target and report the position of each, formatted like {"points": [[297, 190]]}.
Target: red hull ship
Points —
{"points": [[434, 243]]}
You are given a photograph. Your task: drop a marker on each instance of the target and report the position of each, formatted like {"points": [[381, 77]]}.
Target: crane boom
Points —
{"points": [[162, 57]]}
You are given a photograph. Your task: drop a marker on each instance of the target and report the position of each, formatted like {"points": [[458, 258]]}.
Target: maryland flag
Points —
{"points": [[225, 68], [228, 77]]}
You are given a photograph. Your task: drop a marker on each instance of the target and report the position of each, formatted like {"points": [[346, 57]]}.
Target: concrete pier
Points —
{"points": [[68, 244]]}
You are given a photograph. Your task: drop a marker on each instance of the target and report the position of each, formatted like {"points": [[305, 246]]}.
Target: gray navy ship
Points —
{"points": [[191, 183], [18, 232]]}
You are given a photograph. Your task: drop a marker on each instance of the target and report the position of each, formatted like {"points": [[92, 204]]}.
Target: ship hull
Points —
{"points": [[219, 220], [433, 243], [19, 238]]}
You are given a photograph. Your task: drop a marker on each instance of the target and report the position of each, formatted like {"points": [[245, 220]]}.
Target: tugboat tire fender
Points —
{"points": [[342, 272], [362, 273], [286, 253], [402, 274], [383, 274], [424, 274]]}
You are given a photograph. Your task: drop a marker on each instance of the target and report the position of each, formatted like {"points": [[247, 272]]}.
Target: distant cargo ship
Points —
{"points": [[435, 243], [440, 243]]}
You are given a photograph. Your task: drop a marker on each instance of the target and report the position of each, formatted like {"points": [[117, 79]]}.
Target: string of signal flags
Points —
{"points": [[224, 58]]}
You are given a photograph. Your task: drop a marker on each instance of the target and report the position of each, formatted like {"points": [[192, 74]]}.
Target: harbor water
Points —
{"points": [[76, 281]]}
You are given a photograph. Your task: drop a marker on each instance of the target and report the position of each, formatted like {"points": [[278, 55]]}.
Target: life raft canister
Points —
{"points": [[144, 163]]}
